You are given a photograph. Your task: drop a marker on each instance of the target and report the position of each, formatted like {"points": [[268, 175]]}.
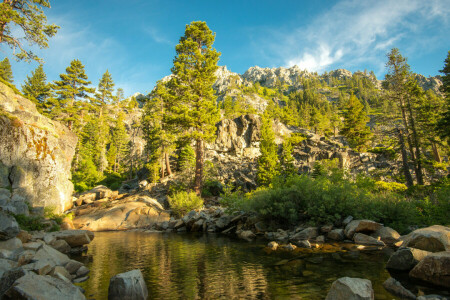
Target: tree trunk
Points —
{"points": [[199, 152], [162, 166], [409, 180], [169, 170], [436, 155]]}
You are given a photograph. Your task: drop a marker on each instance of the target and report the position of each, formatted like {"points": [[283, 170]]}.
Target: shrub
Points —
{"points": [[391, 186], [29, 223], [183, 202]]}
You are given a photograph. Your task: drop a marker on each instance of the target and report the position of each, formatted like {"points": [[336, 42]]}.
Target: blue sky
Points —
{"points": [[135, 40]]}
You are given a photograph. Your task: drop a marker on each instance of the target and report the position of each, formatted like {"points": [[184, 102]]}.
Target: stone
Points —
{"points": [[39, 267], [404, 259], [434, 268], [435, 238], [394, 287], [25, 257], [6, 264], [289, 247], [81, 279], [320, 239], [8, 226], [20, 205], [72, 266], [272, 245], [246, 235], [326, 228], [128, 286], [197, 226], [82, 271], [363, 239], [61, 271], [35, 246], [61, 246], [306, 234], [303, 244], [67, 224], [386, 234], [49, 238], [24, 236], [52, 256], [347, 220], [364, 226], [336, 235], [351, 289], [223, 222], [8, 278], [32, 286], [36, 151], [11, 244], [74, 238], [7, 254]]}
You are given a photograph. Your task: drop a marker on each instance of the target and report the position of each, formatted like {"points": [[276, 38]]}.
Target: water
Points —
{"points": [[197, 266]]}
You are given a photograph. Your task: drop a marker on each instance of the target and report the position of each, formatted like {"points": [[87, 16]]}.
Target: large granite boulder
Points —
{"points": [[435, 269], [364, 226], [8, 226], [351, 289], [435, 238], [32, 286], [35, 154], [74, 238], [405, 259], [128, 286]]}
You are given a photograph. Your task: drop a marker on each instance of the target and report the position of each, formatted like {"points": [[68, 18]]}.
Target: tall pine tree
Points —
{"points": [[5, 71], [104, 94], [443, 125], [355, 127], [268, 160], [195, 109], [37, 89]]}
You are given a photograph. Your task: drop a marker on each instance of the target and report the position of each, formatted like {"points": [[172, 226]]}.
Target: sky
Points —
{"points": [[135, 40]]}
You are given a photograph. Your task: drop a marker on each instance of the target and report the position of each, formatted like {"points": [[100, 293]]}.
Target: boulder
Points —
{"points": [[404, 259], [336, 234], [61, 245], [289, 247], [32, 286], [8, 278], [351, 289], [74, 238], [51, 256], [364, 226], [363, 239], [8, 226], [5, 265], [82, 271], [11, 244], [246, 235], [128, 286], [394, 287], [303, 244], [35, 152], [435, 238], [306, 234], [386, 234], [223, 222], [59, 272], [72, 266], [434, 268], [272, 245], [121, 216], [97, 193], [24, 236]]}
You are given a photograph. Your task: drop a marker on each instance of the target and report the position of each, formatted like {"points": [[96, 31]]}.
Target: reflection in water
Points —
{"points": [[192, 266]]}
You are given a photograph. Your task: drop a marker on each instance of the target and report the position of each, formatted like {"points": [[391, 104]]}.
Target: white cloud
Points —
{"points": [[156, 35], [354, 30]]}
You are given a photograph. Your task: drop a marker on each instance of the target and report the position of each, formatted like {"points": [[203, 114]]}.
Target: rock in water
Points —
{"points": [[435, 238], [405, 259], [346, 288], [32, 286], [127, 286], [35, 153], [360, 226], [396, 288], [8, 227], [435, 269]]}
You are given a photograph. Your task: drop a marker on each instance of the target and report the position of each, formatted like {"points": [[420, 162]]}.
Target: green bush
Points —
{"points": [[183, 202], [388, 152], [29, 223]]}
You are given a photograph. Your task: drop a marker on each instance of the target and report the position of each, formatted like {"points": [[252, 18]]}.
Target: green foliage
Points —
{"points": [[443, 125], [113, 180], [288, 168], [186, 158], [212, 188], [355, 127], [183, 202], [268, 161], [29, 223], [37, 89], [29, 17], [5, 70], [388, 152], [391, 186]]}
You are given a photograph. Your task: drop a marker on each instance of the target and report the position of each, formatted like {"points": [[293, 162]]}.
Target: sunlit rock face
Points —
{"points": [[35, 156]]}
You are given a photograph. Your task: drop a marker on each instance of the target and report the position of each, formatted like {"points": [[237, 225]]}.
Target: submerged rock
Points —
{"points": [[351, 289], [128, 286]]}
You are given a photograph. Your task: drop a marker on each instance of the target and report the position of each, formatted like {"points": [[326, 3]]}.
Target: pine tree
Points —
{"points": [[119, 143], [196, 110], [288, 168], [104, 94], [37, 89], [72, 87], [443, 125], [28, 16], [5, 70], [158, 131], [355, 127], [268, 161]]}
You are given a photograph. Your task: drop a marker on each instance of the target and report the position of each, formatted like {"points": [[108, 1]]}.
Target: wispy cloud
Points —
{"points": [[156, 35], [354, 30]]}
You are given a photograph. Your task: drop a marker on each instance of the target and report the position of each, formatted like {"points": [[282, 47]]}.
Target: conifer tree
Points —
{"points": [[72, 87], [5, 71], [268, 160], [26, 15], [195, 109], [158, 131], [443, 125], [37, 89], [288, 168], [119, 142], [104, 94], [355, 127]]}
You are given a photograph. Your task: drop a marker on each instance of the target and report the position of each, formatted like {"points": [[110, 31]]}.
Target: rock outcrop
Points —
{"points": [[35, 156], [129, 285], [435, 269]]}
